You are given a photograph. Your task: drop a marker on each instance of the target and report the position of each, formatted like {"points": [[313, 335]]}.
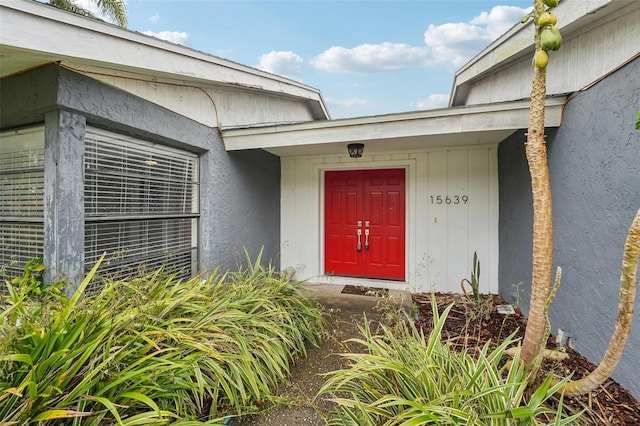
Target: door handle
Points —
{"points": [[366, 239], [359, 245]]}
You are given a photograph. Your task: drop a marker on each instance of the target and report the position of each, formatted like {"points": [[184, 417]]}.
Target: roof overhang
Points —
{"points": [[96, 43], [447, 127], [517, 42]]}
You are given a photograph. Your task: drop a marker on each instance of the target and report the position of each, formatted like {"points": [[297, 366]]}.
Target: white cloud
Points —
{"points": [[154, 18], [448, 45], [224, 52], [500, 19], [176, 37], [349, 102], [286, 64], [453, 44], [432, 102], [370, 58]]}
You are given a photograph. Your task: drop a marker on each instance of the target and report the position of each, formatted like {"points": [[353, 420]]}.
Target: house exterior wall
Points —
{"points": [[248, 204], [63, 194], [585, 56], [211, 105], [67, 102], [440, 238], [516, 220], [594, 161], [174, 76]]}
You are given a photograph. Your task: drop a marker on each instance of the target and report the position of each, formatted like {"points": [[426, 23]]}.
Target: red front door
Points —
{"points": [[365, 223]]}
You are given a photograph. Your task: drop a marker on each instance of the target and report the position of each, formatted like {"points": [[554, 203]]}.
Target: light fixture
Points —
{"points": [[151, 162], [355, 150]]}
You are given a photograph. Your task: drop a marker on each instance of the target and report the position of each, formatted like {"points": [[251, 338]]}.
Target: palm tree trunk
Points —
{"points": [[536, 152], [628, 286]]}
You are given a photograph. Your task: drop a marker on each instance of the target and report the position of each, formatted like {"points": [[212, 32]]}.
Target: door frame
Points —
{"points": [[409, 170]]}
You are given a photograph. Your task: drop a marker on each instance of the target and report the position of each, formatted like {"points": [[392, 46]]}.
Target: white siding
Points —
{"points": [[441, 238], [583, 58], [214, 106]]}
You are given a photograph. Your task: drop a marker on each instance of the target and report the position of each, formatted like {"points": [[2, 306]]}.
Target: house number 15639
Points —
{"points": [[449, 199]]}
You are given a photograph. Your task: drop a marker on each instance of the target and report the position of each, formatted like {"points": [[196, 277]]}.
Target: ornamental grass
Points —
{"points": [[151, 349], [405, 379]]}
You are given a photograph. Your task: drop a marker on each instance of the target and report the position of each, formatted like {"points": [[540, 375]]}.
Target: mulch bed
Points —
{"points": [[611, 404]]}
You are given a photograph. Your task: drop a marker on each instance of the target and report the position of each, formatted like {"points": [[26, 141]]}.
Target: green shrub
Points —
{"points": [[403, 379], [152, 349]]}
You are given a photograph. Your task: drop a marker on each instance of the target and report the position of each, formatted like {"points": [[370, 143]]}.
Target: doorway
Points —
{"points": [[365, 223]]}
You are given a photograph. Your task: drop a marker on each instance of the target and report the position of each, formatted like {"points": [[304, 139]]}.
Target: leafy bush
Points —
{"points": [[152, 349], [403, 379]]}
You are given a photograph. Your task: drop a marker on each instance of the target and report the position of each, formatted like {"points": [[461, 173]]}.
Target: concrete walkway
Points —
{"points": [[350, 306]]}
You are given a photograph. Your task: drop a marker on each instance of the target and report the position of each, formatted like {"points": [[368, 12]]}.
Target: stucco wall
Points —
{"points": [[516, 219], [233, 188], [594, 162], [252, 207]]}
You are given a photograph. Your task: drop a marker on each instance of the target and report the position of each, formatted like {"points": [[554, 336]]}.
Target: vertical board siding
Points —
{"points": [[435, 238], [582, 59], [300, 217], [181, 97], [440, 238], [213, 106], [455, 229]]}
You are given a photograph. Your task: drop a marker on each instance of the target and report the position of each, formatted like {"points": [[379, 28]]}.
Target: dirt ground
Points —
{"points": [[610, 405]]}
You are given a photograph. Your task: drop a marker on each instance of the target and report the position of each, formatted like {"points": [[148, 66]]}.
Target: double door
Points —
{"points": [[365, 223]]}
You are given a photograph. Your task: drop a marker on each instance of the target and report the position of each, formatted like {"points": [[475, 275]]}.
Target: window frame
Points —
{"points": [[21, 198], [147, 175]]}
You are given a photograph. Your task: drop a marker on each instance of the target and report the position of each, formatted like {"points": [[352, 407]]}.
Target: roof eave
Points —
{"points": [[518, 41], [466, 125], [128, 51]]}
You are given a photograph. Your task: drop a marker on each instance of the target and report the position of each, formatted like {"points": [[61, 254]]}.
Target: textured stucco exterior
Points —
{"points": [[516, 219], [594, 162], [63, 195], [233, 189], [253, 207]]}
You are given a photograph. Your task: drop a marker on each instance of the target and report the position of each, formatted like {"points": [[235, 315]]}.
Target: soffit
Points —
{"points": [[100, 44], [457, 126]]}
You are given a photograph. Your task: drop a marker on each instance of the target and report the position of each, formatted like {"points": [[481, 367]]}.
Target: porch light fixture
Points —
{"points": [[355, 150]]}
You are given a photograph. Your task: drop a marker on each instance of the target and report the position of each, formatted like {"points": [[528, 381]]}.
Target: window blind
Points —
{"points": [[21, 199], [141, 205]]}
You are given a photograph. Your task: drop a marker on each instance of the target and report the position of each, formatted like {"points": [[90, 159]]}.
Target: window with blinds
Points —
{"points": [[21, 199], [141, 205]]}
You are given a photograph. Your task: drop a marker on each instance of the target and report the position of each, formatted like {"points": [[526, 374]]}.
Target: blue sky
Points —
{"points": [[366, 57]]}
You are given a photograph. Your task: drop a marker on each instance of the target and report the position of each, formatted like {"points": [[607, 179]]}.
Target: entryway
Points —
{"points": [[364, 233]]}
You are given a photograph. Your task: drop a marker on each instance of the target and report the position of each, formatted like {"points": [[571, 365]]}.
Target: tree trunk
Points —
{"points": [[536, 152], [537, 330], [628, 285]]}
